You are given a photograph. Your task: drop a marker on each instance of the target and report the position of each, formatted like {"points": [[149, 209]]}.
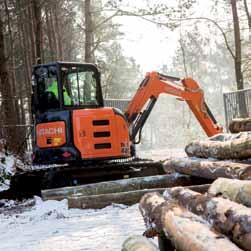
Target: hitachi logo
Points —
{"points": [[50, 131]]}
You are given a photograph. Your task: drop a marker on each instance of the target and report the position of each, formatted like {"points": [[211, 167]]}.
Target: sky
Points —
{"points": [[150, 45]]}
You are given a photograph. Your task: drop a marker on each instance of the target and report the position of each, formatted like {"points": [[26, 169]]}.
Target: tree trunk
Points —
{"points": [[227, 217], [58, 31], [240, 125], [38, 28], [187, 231], [49, 34], [89, 57], [123, 185], [249, 18], [209, 169], [222, 146], [31, 33], [6, 95], [237, 40], [235, 190], [138, 243], [238, 60]]}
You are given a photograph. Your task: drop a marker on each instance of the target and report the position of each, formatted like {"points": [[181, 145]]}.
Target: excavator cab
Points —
{"points": [[71, 122], [59, 86]]}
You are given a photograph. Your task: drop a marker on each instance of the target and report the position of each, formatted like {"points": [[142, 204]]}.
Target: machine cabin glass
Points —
{"points": [[65, 86]]}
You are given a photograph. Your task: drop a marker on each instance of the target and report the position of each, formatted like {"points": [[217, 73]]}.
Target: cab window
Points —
{"points": [[80, 87]]}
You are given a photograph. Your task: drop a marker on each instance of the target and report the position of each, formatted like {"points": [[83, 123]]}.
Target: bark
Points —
{"points": [[55, 52], [235, 190], [32, 34], [89, 57], [227, 217], [103, 200], [222, 147], [38, 28], [237, 40], [138, 243], [238, 60], [6, 93], [240, 125], [127, 198], [117, 186], [209, 169], [49, 34], [249, 18], [186, 230], [58, 31]]}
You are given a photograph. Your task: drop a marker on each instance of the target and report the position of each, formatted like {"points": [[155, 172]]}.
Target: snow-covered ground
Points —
{"points": [[7, 168], [51, 226]]}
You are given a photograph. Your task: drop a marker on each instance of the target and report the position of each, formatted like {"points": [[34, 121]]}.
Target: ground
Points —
{"points": [[37, 225], [50, 226]]}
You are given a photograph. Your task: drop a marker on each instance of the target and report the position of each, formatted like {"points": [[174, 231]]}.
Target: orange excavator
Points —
{"points": [[90, 142]]}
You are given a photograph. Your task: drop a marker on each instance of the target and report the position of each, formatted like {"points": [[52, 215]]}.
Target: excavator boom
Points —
{"points": [[186, 89]]}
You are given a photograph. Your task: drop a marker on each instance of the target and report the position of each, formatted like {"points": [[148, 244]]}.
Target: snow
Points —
{"points": [[50, 225], [7, 164]]}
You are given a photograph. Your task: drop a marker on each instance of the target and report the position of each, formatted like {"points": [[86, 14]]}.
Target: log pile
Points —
{"points": [[127, 191], [240, 125], [219, 219], [196, 221], [186, 230], [138, 243], [235, 190], [222, 146], [208, 168]]}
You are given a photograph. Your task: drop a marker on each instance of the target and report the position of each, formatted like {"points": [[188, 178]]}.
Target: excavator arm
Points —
{"points": [[186, 89]]}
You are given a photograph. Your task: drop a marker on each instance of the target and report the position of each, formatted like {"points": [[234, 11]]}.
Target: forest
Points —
{"points": [[211, 45], [125, 125]]}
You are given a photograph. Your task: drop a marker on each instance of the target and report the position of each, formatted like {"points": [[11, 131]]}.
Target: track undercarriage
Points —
{"points": [[26, 184]]}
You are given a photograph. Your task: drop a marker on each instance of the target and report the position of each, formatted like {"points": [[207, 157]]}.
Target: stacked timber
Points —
{"points": [[224, 155], [217, 220], [235, 190], [126, 191], [138, 243], [222, 146], [240, 125], [208, 168], [186, 230]]}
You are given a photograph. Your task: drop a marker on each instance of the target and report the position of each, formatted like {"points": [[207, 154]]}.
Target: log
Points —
{"points": [[103, 200], [138, 243], [227, 217], [124, 185], [240, 125], [236, 146], [209, 169], [127, 198], [232, 189], [187, 231]]}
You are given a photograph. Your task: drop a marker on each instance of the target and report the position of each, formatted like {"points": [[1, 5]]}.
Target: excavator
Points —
{"points": [[78, 141]]}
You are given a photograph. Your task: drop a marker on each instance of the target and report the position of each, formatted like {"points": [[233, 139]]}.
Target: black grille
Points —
{"points": [[103, 146], [101, 134], [100, 122]]}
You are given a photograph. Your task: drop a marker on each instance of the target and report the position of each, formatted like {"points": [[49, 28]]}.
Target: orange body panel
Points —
{"points": [[100, 133], [51, 134]]}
